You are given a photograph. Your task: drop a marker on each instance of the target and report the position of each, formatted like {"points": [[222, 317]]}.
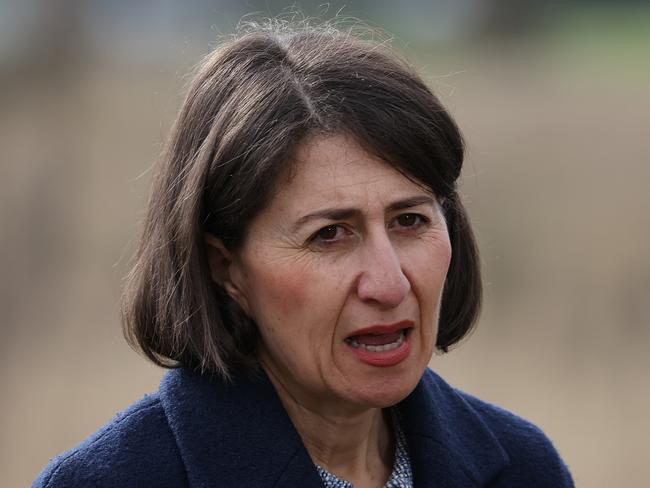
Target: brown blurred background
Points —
{"points": [[554, 100]]}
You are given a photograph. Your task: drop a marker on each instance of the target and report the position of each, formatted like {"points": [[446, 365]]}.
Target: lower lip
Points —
{"points": [[384, 358]]}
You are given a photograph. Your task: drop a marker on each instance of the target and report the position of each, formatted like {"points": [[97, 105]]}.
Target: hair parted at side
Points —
{"points": [[251, 103]]}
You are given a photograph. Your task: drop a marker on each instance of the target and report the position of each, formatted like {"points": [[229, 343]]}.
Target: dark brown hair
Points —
{"points": [[251, 103]]}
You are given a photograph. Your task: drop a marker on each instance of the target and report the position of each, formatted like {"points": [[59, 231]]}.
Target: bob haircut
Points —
{"points": [[251, 103]]}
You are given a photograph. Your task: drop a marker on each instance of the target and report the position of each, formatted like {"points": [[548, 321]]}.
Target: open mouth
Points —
{"points": [[379, 342], [380, 338], [382, 345]]}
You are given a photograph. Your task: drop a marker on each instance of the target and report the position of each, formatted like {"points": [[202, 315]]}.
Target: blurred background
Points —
{"points": [[553, 98]]}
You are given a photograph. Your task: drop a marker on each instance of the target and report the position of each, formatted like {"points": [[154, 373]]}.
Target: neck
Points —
{"points": [[355, 444]]}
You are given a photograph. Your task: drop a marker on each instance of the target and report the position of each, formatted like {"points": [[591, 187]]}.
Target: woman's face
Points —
{"points": [[343, 272]]}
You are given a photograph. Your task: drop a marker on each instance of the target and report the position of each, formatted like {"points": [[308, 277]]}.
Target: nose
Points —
{"points": [[382, 279]]}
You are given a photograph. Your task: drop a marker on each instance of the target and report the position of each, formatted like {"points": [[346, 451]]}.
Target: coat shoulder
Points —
{"points": [[136, 448], [534, 460]]}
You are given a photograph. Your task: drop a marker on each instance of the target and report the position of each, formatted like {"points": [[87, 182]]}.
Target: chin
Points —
{"points": [[386, 390]]}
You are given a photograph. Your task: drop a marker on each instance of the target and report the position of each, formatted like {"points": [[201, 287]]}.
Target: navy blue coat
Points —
{"points": [[197, 432]]}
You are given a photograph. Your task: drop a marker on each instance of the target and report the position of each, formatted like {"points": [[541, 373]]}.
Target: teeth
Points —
{"points": [[384, 347]]}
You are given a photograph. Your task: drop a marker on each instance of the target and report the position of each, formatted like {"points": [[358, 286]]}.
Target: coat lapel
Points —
{"points": [[239, 434], [234, 434], [449, 444]]}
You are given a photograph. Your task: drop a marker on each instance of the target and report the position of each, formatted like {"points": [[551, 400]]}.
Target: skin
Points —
{"points": [[310, 282]]}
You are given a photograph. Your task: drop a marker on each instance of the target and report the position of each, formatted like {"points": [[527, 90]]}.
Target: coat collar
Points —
{"points": [[239, 432], [448, 440]]}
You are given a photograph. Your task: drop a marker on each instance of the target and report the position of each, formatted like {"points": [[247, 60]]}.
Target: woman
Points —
{"points": [[305, 250]]}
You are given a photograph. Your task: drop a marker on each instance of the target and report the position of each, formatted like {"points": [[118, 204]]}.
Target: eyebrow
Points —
{"points": [[349, 212]]}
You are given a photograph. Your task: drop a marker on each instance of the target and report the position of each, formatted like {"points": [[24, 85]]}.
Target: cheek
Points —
{"points": [[292, 290], [428, 264], [293, 308], [276, 296], [427, 270]]}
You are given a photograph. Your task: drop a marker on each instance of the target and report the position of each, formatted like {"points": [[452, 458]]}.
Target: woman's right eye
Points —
{"points": [[330, 234]]}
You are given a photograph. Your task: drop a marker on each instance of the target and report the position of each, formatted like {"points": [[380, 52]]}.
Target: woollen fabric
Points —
{"points": [[199, 431]]}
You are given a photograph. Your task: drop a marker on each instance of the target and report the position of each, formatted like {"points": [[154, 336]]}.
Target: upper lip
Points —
{"points": [[379, 329]]}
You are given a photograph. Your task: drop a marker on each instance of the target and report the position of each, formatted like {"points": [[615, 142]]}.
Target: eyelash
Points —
{"points": [[316, 238], [420, 220]]}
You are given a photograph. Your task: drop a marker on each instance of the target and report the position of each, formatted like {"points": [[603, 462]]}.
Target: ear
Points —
{"points": [[225, 270]]}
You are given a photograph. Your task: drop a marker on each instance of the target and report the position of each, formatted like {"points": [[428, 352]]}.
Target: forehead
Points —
{"points": [[336, 170]]}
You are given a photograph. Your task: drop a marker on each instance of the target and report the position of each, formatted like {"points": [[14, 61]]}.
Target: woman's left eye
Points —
{"points": [[410, 220]]}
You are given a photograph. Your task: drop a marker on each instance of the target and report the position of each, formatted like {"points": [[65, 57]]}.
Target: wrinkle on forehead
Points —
{"points": [[319, 146], [350, 150], [329, 155]]}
